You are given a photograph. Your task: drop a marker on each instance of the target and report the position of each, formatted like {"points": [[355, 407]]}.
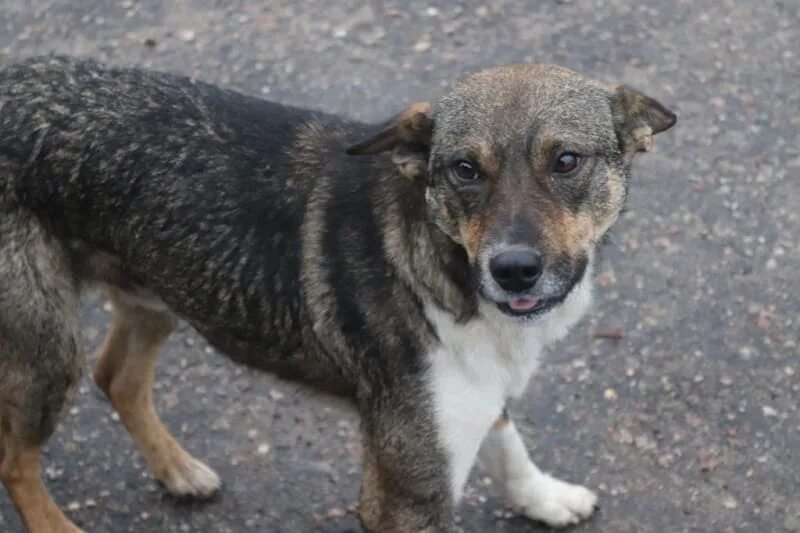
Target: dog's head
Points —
{"points": [[526, 167]]}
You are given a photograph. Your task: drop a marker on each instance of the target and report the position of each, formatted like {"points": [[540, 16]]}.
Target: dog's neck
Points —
{"points": [[454, 262], [429, 261], [434, 266]]}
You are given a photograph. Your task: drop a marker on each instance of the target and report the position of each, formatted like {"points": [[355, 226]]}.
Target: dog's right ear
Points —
{"points": [[637, 117], [407, 135]]}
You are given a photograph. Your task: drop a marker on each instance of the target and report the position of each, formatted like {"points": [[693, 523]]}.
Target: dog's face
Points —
{"points": [[525, 166]]}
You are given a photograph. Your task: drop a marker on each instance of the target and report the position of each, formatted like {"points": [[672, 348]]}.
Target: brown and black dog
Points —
{"points": [[421, 283]]}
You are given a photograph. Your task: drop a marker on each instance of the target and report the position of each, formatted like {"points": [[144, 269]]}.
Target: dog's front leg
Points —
{"points": [[537, 494], [405, 487]]}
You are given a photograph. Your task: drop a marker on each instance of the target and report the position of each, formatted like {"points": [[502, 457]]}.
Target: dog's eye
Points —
{"points": [[465, 170], [566, 163]]}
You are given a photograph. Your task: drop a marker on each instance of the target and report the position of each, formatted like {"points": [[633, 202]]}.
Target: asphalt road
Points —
{"points": [[677, 398]]}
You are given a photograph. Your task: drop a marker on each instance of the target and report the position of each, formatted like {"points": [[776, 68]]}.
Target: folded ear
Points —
{"points": [[407, 135], [637, 117]]}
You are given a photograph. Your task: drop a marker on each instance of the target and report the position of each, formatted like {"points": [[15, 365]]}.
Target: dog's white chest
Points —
{"points": [[479, 365], [483, 355]]}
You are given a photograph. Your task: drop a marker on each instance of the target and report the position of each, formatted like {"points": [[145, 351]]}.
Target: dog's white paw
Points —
{"points": [[552, 501], [191, 478]]}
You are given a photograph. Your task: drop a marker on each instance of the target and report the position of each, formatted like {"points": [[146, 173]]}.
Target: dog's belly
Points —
{"points": [[284, 353], [279, 348], [288, 358]]}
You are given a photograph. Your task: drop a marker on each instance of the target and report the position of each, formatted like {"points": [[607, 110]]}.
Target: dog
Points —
{"points": [[416, 267]]}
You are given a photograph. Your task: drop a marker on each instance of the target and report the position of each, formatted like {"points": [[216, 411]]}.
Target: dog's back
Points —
{"points": [[142, 166]]}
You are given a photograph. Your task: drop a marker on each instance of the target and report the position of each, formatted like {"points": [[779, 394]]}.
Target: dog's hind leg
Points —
{"points": [[39, 362], [124, 371], [21, 474]]}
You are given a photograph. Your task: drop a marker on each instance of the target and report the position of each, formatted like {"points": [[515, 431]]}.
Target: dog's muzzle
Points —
{"points": [[521, 286]]}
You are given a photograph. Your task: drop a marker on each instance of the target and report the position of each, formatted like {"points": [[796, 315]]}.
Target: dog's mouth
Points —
{"points": [[550, 290], [528, 306]]}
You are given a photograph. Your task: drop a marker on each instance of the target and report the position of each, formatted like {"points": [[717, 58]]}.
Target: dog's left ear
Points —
{"points": [[407, 135], [637, 117]]}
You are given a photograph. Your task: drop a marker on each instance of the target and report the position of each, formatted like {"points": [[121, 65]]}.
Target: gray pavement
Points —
{"points": [[677, 398]]}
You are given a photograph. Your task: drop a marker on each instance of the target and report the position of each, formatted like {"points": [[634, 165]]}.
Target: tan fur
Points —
{"points": [[20, 472], [472, 233], [124, 371], [501, 422], [569, 233], [616, 198], [370, 500], [488, 158], [414, 120]]}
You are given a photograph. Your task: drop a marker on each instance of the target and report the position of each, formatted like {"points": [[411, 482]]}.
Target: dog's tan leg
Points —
{"points": [[125, 372], [20, 471], [40, 362]]}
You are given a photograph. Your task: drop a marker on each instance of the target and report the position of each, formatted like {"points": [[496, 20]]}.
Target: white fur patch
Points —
{"points": [[191, 477], [555, 502], [537, 495], [481, 364]]}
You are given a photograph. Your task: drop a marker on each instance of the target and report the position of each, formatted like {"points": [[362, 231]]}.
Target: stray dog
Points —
{"points": [[421, 283]]}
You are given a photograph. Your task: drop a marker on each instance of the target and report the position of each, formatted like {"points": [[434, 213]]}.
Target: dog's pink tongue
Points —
{"points": [[522, 304]]}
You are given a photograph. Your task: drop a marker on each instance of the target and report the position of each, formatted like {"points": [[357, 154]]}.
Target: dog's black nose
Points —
{"points": [[516, 271]]}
